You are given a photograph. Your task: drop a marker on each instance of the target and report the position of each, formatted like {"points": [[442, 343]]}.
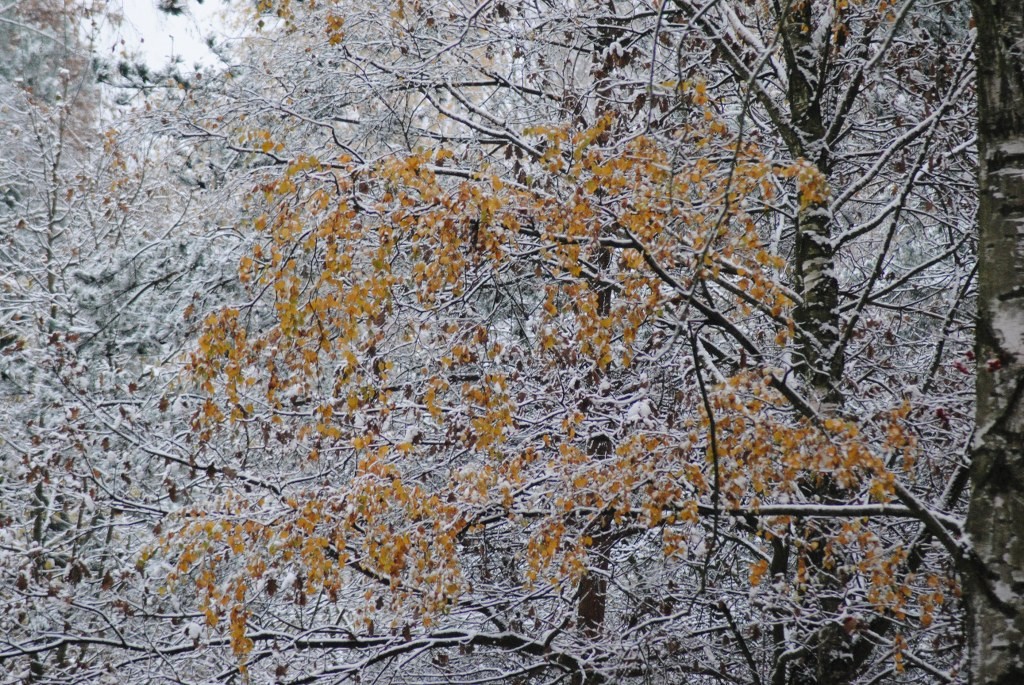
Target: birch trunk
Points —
{"points": [[995, 584]]}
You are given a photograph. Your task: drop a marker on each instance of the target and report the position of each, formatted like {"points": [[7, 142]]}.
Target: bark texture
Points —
{"points": [[826, 658], [816, 315], [995, 583]]}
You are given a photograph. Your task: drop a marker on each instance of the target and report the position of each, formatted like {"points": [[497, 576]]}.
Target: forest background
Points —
{"points": [[514, 342]]}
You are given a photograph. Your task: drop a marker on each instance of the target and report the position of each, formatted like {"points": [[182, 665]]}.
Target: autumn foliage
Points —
{"points": [[568, 342], [463, 384]]}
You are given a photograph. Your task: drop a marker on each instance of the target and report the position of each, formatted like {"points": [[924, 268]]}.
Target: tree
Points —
{"points": [[587, 369], [48, 105], [996, 599], [98, 269], [568, 342]]}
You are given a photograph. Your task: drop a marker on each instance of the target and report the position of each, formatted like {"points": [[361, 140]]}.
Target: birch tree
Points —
{"points": [[996, 616]]}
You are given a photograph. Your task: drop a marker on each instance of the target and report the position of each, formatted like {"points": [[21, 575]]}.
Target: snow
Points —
{"points": [[638, 411], [193, 630]]}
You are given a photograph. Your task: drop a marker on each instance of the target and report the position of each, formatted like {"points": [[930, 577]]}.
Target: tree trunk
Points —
{"points": [[819, 357], [995, 585], [821, 360]]}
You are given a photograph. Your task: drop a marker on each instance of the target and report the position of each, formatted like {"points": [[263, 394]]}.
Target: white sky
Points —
{"points": [[159, 36]]}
